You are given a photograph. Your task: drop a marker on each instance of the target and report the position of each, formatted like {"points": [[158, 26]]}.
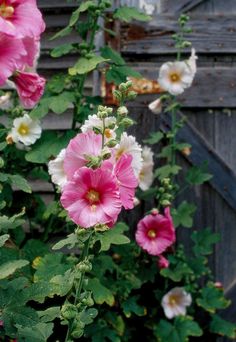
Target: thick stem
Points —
{"points": [[79, 285]]}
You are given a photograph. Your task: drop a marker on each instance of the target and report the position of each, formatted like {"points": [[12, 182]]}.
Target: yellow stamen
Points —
{"points": [[6, 11], [174, 77], [119, 153], [173, 300], [93, 196], [152, 233], [23, 129], [108, 133]]}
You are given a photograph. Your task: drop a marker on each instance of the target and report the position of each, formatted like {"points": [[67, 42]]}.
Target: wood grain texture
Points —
{"points": [[211, 34], [180, 6]]}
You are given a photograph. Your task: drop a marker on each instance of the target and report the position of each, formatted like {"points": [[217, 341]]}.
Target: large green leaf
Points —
{"points": [[108, 53], [49, 146], [212, 299], [62, 50], [10, 267], [131, 306], [180, 331], [70, 242], [85, 65], [222, 327], [101, 294], [198, 175], [37, 333], [183, 215], [128, 14], [204, 241], [113, 236]]}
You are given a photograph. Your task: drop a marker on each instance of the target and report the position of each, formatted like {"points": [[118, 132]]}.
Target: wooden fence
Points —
{"points": [[209, 105]]}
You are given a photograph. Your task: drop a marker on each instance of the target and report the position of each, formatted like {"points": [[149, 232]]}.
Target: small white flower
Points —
{"points": [[95, 122], [192, 62], [129, 145], [175, 302], [146, 175], [25, 130], [175, 77], [56, 169], [156, 106]]}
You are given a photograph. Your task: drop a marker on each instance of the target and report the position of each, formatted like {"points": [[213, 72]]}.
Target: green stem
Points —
{"points": [[80, 284]]}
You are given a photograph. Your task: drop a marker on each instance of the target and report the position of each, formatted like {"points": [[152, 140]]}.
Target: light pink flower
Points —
{"points": [[155, 233], [32, 47], [11, 53], [92, 197], [30, 88], [84, 144], [163, 262], [175, 302], [21, 18], [127, 181]]}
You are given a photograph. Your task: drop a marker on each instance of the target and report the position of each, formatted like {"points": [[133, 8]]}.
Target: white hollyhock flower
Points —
{"points": [[175, 302], [25, 130], [146, 175], [175, 77], [56, 169], [95, 122], [155, 106], [129, 145]]}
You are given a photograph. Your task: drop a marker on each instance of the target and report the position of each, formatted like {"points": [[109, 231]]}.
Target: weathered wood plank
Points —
{"points": [[212, 87], [223, 176], [211, 34], [55, 4], [180, 6]]}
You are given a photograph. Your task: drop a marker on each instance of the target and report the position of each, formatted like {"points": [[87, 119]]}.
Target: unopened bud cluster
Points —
{"points": [[164, 194]]}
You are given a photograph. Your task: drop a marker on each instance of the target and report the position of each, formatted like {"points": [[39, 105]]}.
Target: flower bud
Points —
{"points": [[106, 154], [165, 203], [112, 143], [126, 122], [100, 227], [97, 130], [154, 211], [68, 311], [122, 111], [117, 95], [131, 95], [122, 87]]}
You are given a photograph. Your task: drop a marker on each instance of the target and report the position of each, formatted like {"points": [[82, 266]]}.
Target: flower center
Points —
{"points": [[152, 234], [119, 153], [6, 11], [173, 300], [23, 129], [93, 197], [107, 133], [174, 77]]}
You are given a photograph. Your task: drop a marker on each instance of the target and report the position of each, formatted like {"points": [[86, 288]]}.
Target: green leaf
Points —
{"points": [[131, 306], [49, 314], [212, 299], [62, 50], [155, 138], [70, 241], [128, 14], [49, 146], [82, 8], [204, 240], [197, 175], [223, 328], [11, 222], [20, 182], [118, 74], [34, 248], [101, 294], [87, 316], [180, 331], [113, 236], [10, 267], [41, 109], [59, 104], [85, 65], [3, 239], [62, 33], [177, 272], [37, 333], [183, 215], [167, 171], [108, 53], [14, 315]]}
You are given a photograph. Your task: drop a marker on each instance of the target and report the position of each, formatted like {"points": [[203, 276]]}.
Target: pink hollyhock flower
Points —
{"points": [[127, 181], [155, 233], [92, 197], [163, 262], [11, 53], [20, 18], [29, 62], [30, 88], [84, 144]]}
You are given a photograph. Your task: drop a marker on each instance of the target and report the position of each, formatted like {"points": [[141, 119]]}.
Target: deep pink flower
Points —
{"points": [[163, 262], [12, 51], [127, 181], [84, 144], [21, 18], [155, 233], [92, 197], [30, 88]]}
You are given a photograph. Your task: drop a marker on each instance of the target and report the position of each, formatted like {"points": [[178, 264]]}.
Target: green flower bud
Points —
{"points": [[97, 130], [122, 111], [106, 154], [112, 143], [68, 311], [165, 203], [77, 333], [127, 122], [165, 181], [100, 227], [117, 95], [129, 84], [131, 95], [123, 87], [161, 190]]}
